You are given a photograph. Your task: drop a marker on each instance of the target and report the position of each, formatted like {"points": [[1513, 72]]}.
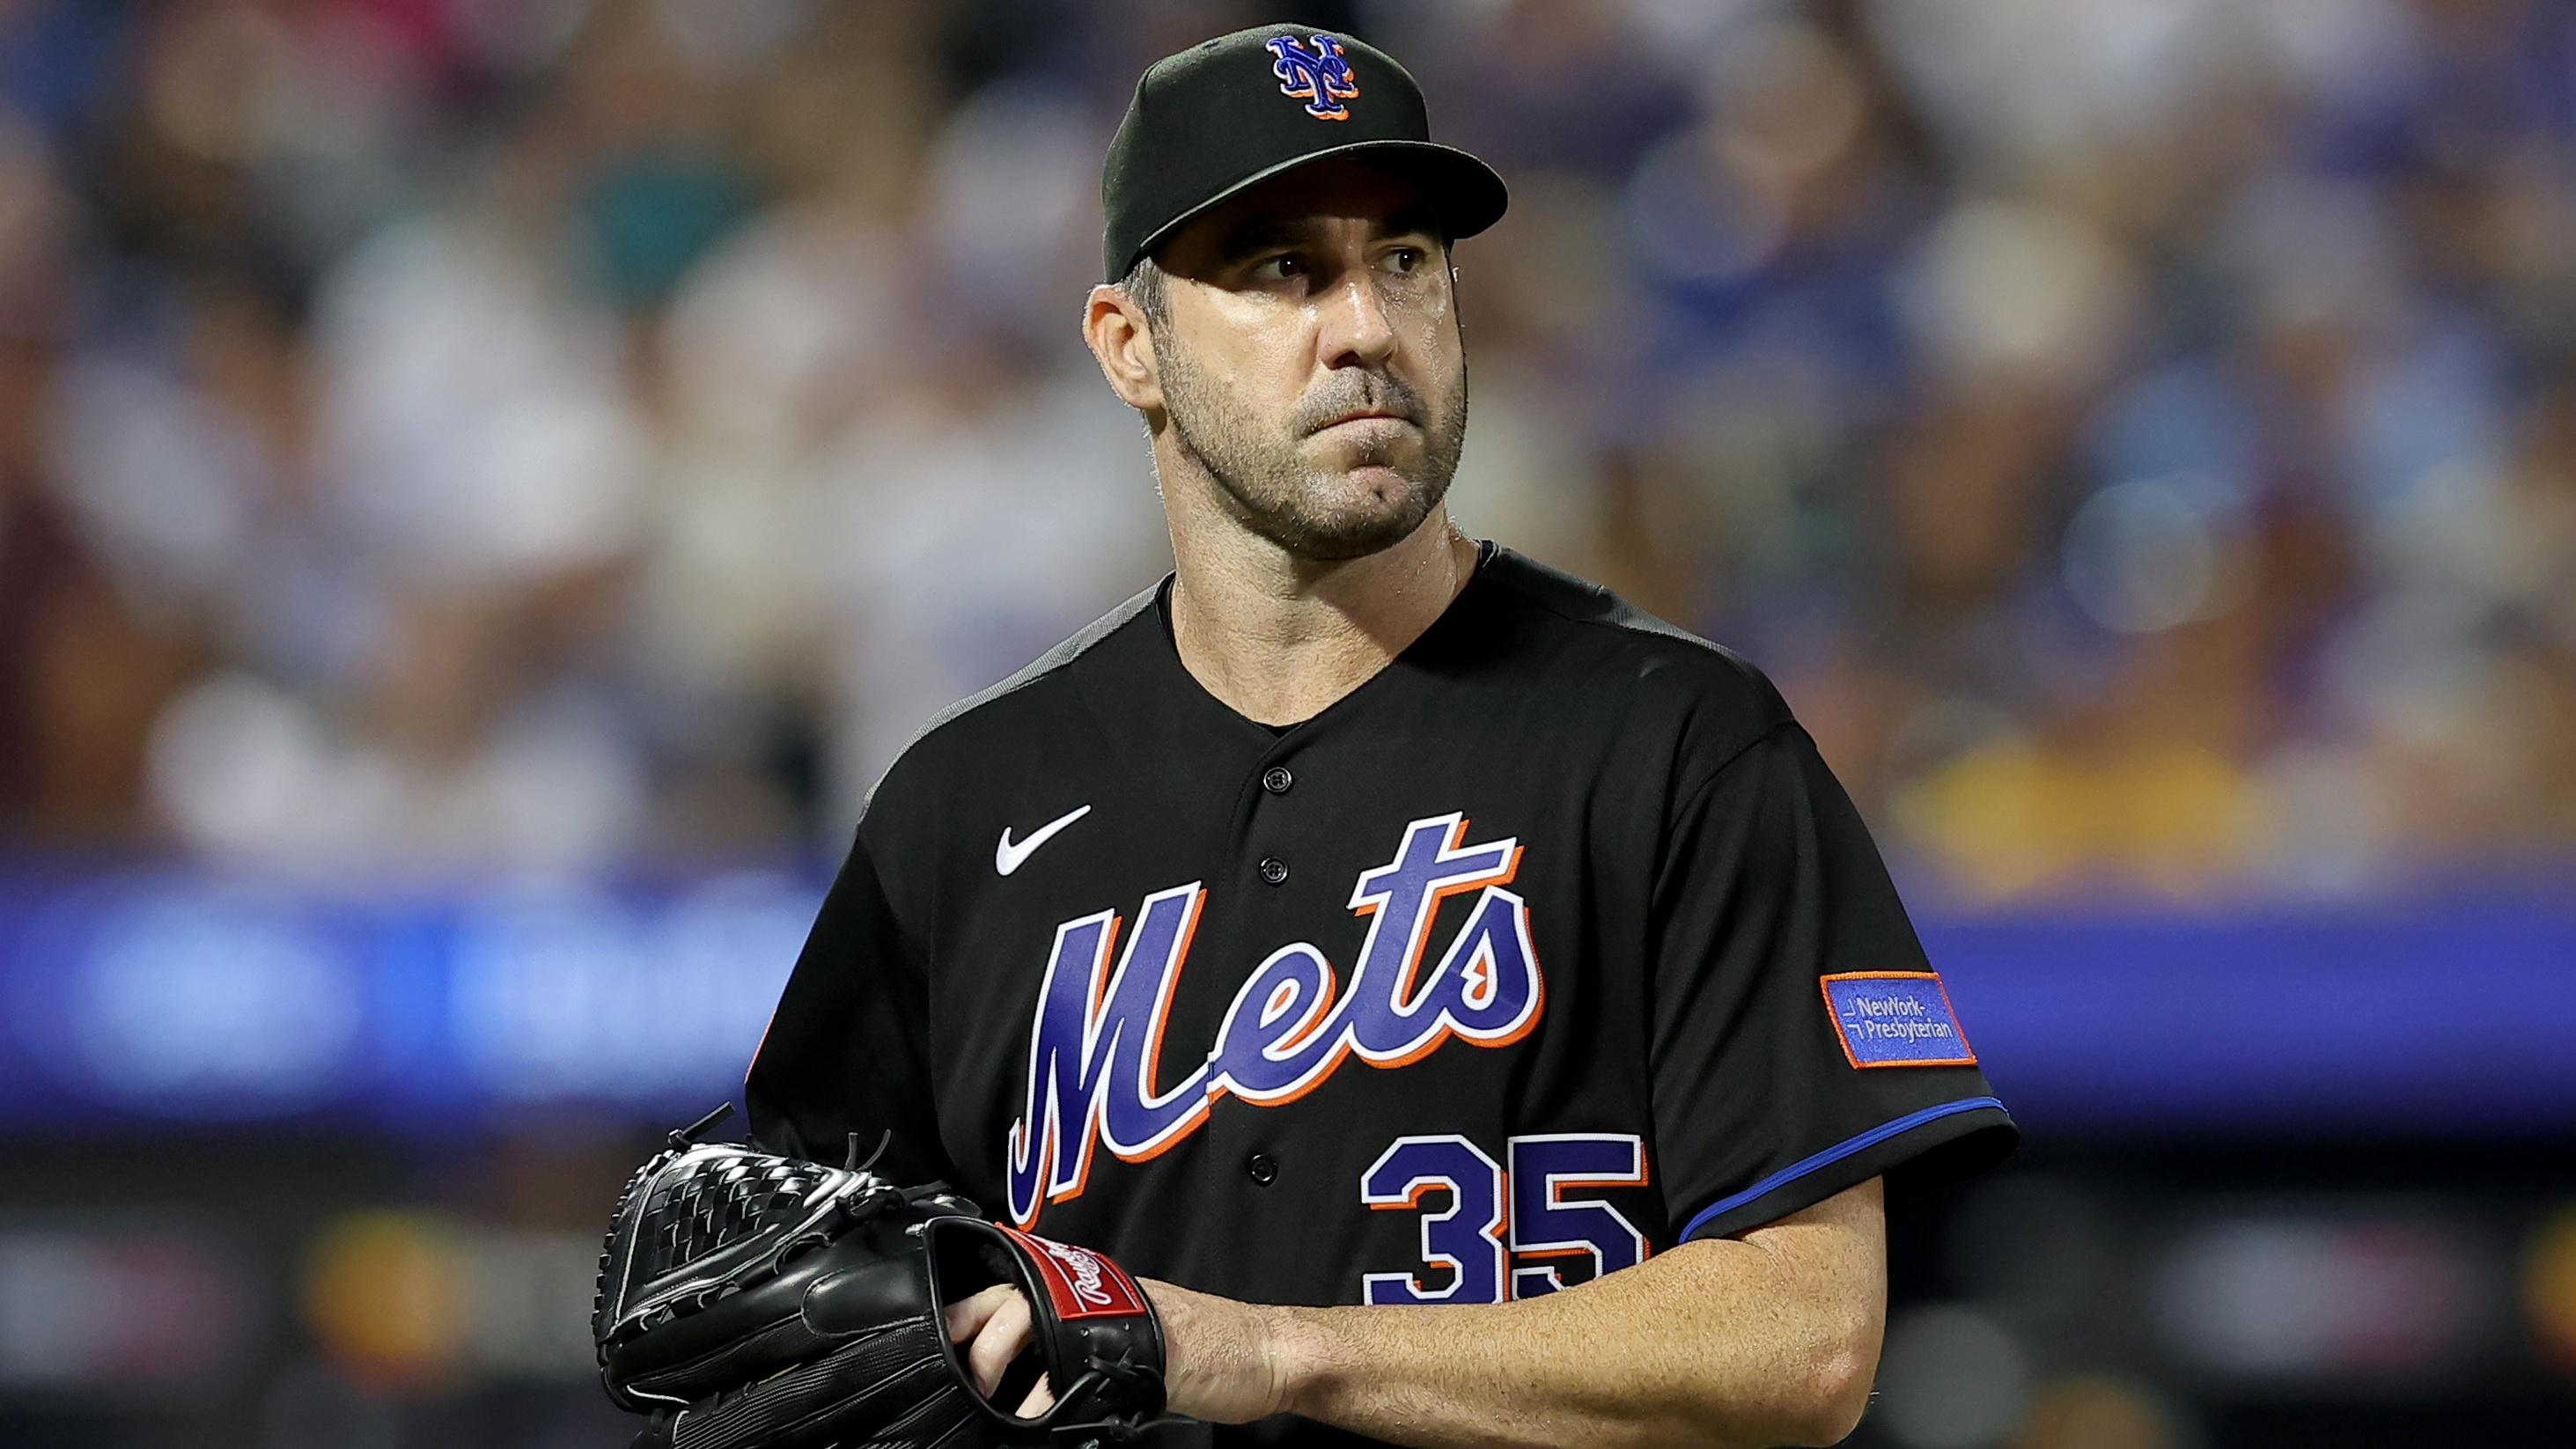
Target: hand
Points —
{"points": [[1221, 1364], [997, 1319]]}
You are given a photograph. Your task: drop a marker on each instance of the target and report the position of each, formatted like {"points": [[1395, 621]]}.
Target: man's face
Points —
{"points": [[1311, 358]]}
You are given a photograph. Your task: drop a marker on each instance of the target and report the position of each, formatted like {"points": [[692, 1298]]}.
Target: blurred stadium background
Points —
{"points": [[485, 484]]}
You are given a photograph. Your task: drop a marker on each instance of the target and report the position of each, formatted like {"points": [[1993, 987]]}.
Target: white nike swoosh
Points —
{"points": [[1007, 856]]}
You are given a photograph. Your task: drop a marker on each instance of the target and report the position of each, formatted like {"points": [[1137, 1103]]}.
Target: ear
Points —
{"points": [[1114, 327]]}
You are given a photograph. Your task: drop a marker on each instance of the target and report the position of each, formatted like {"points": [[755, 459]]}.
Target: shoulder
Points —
{"points": [[1012, 720], [1594, 646]]}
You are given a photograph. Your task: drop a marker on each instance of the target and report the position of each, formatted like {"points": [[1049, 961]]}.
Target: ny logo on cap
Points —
{"points": [[1320, 77]]}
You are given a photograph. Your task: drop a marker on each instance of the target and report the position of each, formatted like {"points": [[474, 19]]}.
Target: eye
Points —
{"points": [[1277, 269], [1405, 259]]}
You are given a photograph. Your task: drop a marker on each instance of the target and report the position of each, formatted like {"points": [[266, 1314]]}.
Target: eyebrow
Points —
{"points": [[1258, 234]]}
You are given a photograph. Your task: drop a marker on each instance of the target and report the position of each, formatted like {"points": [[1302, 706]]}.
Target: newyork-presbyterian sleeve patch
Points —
{"points": [[1896, 1019]]}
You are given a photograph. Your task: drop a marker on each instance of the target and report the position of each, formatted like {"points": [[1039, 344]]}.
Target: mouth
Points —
{"points": [[1366, 415]]}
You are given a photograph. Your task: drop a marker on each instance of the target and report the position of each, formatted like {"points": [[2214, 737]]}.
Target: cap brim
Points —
{"points": [[1468, 194]]}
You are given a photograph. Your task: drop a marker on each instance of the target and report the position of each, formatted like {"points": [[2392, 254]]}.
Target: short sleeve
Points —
{"points": [[844, 1049], [1801, 1043]]}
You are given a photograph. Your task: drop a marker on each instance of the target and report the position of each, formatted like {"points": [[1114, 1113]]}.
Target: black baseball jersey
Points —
{"points": [[1549, 947]]}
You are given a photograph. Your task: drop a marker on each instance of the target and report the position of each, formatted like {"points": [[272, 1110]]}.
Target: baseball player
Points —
{"points": [[1465, 1003]]}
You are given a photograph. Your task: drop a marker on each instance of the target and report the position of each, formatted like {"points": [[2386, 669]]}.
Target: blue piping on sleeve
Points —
{"points": [[1837, 1153]]}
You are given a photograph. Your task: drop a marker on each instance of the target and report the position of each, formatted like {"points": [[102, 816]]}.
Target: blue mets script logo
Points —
{"points": [[1320, 77], [1095, 1048]]}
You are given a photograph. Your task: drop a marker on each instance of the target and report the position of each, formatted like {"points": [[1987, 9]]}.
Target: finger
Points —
{"points": [[1041, 1398], [998, 1342], [969, 1314]]}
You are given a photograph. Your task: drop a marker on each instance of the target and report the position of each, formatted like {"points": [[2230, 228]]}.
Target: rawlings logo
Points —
{"points": [[1085, 1268], [1320, 77], [1095, 1047], [1079, 1282]]}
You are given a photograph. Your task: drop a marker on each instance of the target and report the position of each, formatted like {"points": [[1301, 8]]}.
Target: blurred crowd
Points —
{"points": [[2138, 435]]}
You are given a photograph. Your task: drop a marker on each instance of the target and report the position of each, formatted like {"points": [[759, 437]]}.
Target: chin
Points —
{"points": [[1341, 546], [1378, 508]]}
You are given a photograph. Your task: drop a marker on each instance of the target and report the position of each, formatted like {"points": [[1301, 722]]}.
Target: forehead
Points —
{"points": [[1301, 201]]}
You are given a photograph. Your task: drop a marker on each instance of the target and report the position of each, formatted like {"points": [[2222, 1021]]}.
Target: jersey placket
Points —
{"points": [[1276, 877]]}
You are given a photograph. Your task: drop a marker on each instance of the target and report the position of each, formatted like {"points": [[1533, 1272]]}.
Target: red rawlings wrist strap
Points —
{"points": [[1081, 1283]]}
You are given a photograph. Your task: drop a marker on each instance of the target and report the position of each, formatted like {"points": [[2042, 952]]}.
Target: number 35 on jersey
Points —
{"points": [[1497, 1230]]}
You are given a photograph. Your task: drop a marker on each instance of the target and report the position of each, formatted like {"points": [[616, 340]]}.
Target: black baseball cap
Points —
{"points": [[1229, 113]]}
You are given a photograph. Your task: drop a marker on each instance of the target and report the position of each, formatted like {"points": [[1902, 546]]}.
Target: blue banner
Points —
{"points": [[166, 996], [172, 996], [2435, 1018]]}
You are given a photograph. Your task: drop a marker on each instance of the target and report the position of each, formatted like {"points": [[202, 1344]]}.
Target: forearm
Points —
{"points": [[1601, 1365], [1715, 1343]]}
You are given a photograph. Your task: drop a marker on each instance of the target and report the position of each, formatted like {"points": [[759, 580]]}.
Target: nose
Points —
{"points": [[1356, 331]]}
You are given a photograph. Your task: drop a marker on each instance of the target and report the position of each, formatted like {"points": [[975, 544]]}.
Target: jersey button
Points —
{"points": [[1262, 1168], [1276, 779], [1273, 869]]}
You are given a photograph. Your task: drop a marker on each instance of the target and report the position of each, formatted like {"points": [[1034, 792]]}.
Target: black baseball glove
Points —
{"points": [[751, 1301]]}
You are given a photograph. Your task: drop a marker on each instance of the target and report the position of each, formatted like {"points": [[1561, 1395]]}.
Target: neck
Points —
{"points": [[1278, 638]]}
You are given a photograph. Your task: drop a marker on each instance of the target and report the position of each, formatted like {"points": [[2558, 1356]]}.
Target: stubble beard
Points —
{"points": [[1287, 500]]}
